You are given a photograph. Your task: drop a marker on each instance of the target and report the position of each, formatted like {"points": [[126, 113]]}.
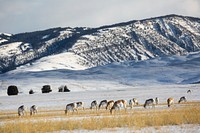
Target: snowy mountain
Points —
{"points": [[81, 48]]}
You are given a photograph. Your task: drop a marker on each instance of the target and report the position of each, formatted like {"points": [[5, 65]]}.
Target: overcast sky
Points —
{"points": [[18, 16]]}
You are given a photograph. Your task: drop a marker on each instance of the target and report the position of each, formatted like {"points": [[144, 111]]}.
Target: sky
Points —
{"points": [[17, 16]]}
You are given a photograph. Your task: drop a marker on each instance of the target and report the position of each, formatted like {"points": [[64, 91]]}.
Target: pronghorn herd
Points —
{"points": [[108, 105]]}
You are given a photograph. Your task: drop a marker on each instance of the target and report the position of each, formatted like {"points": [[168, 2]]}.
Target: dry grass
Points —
{"points": [[91, 120]]}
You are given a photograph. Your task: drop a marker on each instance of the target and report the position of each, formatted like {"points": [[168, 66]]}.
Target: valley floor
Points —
{"points": [[51, 108], [183, 117]]}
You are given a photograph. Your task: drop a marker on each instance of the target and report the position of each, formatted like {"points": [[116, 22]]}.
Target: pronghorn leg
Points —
{"points": [[75, 110], [125, 108], [35, 112], [19, 114], [66, 112]]}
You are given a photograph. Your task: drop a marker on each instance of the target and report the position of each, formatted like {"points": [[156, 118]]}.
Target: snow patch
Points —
{"points": [[67, 32], [46, 36], [7, 34], [66, 60], [10, 49], [2, 40]]}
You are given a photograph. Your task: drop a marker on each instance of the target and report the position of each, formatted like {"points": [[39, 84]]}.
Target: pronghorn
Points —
{"points": [[21, 110], [80, 104], [33, 110], [103, 103], [74, 106], [118, 104], [189, 91], [149, 102], [71, 106], [157, 100], [94, 104], [109, 104], [170, 101], [133, 102], [182, 99]]}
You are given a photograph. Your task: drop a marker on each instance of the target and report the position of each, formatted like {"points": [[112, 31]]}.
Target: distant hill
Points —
{"points": [[89, 47]]}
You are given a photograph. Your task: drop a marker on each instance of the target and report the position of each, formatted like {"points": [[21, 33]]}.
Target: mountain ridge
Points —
{"points": [[132, 40]]}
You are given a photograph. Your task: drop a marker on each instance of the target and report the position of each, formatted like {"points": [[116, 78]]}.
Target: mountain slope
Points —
{"points": [[134, 40], [169, 70], [140, 40]]}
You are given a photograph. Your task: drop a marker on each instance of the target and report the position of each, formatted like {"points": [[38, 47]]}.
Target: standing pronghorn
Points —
{"points": [[157, 100], [133, 102], [21, 110], [118, 104], [33, 110], [109, 104], [149, 102], [170, 101], [182, 99], [103, 103], [94, 104]]}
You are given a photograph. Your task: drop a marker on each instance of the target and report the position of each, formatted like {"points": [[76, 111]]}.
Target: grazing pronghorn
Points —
{"points": [[170, 101], [33, 110], [133, 102], [71, 106], [118, 105], [182, 99], [149, 102], [74, 106], [109, 104], [103, 103], [157, 100], [80, 104], [21, 110], [94, 104], [189, 91]]}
